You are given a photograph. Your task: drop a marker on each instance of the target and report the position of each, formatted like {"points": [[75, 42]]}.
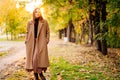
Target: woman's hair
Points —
{"points": [[40, 18]]}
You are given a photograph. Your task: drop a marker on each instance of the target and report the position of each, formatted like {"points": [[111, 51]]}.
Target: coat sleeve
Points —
{"points": [[27, 30], [48, 32]]}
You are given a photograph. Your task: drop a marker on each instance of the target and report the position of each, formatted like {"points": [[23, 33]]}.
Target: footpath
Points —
{"points": [[75, 54]]}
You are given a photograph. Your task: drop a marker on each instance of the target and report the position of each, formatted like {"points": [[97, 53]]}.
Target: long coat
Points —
{"points": [[42, 40]]}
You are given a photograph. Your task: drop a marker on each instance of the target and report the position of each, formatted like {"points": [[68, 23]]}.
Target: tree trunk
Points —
{"points": [[7, 34], [104, 27], [82, 32], [97, 23], [65, 32], [60, 34], [74, 36], [89, 21], [90, 40], [69, 30], [11, 36]]}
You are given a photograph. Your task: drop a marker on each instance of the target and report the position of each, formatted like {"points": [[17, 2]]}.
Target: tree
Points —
{"points": [[104, 27], [101, 16], [97, 23], [14, 18], [63, 10], [90, 21], [113, 20]]}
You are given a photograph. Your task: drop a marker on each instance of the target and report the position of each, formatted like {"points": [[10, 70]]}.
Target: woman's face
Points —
{"points": [[37, 13]]}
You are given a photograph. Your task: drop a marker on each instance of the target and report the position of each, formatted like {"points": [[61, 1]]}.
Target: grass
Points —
{"points": [[19, 39], [3, 53], [61, 69], [18, 75]]}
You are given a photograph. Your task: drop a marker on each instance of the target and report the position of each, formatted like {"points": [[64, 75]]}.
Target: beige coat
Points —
{"points": [[42, 41]]}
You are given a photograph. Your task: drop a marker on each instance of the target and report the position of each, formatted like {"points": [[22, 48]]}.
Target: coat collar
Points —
{"points": [[40, 24]]}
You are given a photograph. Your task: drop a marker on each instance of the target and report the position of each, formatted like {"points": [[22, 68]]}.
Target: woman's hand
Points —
{"points": [[25, 42]]}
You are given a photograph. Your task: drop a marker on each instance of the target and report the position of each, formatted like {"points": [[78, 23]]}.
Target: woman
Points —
{"points": [[37, 38]]}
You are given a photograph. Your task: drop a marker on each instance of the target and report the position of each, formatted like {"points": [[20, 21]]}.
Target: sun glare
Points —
{"points": [[33, 4]]}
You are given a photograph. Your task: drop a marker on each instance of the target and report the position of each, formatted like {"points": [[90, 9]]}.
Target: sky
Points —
{"points": [[31, 4]]}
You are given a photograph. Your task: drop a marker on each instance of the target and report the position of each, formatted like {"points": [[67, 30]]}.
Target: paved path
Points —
{"points": [[17, 52]]}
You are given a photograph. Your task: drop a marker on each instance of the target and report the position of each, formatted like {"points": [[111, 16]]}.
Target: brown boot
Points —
{"points": [[42, 76]]}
